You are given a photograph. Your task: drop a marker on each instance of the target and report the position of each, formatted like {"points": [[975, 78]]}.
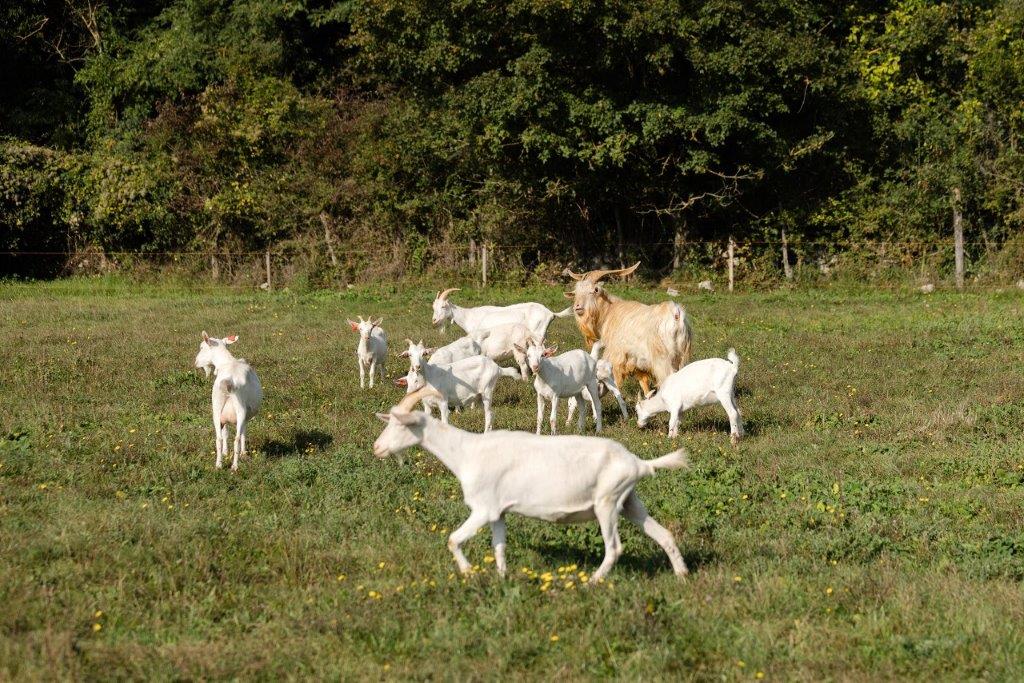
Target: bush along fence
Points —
{"points": [[707, 264]]}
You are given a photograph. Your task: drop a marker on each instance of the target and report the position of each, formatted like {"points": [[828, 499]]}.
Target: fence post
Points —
{"points": [[472, 251], [732, 249], [269, 285], [958, 238], [483, 263], [786, 268]]}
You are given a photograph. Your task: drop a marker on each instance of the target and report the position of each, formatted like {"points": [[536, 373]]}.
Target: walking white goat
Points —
{"points": [[605, 379], [563, 479], [372, 350], [702, 383], [535, 316], [460, 384], [568, 374], [236, 393]]}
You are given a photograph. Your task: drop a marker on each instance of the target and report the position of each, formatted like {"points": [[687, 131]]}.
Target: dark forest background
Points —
{"points": [[399, 132]]}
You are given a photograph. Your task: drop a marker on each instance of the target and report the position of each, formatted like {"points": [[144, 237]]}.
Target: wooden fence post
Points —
{"points": [[786, 268], [483, 263], [269, 285], [958, 238], [732, 249]]}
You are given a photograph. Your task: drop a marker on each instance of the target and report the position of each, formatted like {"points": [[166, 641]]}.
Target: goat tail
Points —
{"points": [[733, 358], [564, 313], [676, 460], [511, 372]]}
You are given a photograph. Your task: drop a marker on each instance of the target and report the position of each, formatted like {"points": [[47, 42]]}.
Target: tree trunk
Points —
{"points": [[328, 237], [678, 240], [786, 268]]}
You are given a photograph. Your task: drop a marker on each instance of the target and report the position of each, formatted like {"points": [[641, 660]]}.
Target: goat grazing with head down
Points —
{"points": [[648, 341], [562, 479]]}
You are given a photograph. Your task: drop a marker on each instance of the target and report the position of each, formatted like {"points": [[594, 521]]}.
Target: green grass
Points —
{"points": [[870, 526]]}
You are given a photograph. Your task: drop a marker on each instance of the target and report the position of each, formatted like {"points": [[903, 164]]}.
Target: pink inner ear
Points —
{"points": [[231, 339], [355, 328]]}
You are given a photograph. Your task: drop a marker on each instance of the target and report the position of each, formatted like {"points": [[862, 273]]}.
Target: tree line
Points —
{"points": [[575, 130]]}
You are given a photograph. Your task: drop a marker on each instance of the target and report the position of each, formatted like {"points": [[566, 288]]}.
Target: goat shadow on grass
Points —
{"points": [[718, 424], [649, 561], [301, 442]]}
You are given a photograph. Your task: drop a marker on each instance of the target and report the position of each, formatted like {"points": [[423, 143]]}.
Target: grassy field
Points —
{"points": [[870, 526]]}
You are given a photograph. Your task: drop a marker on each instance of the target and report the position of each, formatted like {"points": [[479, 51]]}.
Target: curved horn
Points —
{"points": [[410, 400], [574, 276], [444, 295], [596, 275]]}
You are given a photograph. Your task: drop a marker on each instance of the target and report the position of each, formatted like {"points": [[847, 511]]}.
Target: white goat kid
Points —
{"points": [[460, 384], [563, 376], [605, 380], [563, 479], [536, 317], [702, 383], [237, 393], [372, 351]]}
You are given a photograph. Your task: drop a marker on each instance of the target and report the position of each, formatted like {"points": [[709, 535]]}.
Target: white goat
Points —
{"points": [[605, 380], [463, 347], [499, 343], [460, 384], [563, 479], [535, 316], [702, 383], [236, 393], [561, 377], [372, 350]]}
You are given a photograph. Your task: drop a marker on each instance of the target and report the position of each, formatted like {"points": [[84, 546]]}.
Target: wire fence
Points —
{"points": [[720, 263]]}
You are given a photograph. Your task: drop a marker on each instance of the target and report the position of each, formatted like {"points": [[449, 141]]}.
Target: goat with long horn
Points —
{"points": [[649, 342]]}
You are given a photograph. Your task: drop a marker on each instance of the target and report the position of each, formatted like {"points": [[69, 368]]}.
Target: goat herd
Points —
{"points": [[561, 479]]}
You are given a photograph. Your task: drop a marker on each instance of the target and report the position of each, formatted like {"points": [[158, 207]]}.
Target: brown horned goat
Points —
{"points": [[648, 341]]}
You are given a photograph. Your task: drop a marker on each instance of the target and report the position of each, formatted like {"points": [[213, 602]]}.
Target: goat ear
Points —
{"points": [[403, 354], [427, 352], [377, 322], [401, 382], [550, 351], [383, 417], [231, 339], [650, 393], [353, 324], [206, 337], [518, 348], [569, 295]]}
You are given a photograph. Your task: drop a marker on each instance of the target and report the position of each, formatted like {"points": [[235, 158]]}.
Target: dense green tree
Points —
{"points": [[593, 129]]}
